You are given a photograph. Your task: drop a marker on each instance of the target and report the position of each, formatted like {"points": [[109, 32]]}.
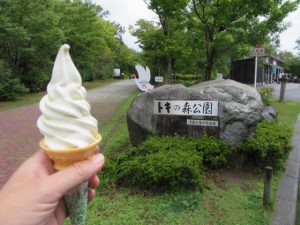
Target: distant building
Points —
{"points": [[269, 70]]}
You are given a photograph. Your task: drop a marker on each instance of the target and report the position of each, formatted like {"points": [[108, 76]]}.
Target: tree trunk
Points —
{"points": [[208, 73], [209, 64], [169, 60]]}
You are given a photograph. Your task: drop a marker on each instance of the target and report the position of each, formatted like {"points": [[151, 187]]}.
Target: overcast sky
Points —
{"points": [[127, 12]]}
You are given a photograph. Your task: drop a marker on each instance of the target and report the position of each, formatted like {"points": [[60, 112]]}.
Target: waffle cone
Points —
{"points": [[65, 158]]}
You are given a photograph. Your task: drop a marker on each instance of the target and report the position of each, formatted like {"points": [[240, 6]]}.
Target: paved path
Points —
{"points": [[286, 199], [19, 135], [292, 91]]}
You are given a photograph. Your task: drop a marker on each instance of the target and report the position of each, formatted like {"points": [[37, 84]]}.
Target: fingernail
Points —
{"points": [[97, 159]]}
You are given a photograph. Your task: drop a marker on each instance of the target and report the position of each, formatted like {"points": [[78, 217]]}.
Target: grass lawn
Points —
{"points": [[288, 112], [229, 197], [36, 97]]}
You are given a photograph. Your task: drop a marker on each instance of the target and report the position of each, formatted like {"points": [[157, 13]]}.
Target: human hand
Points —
{"points": [[33, 195]]}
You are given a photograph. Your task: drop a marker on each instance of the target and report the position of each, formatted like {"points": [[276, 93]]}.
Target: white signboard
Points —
{"points": [[186, 107], [258, 51], [159, 79], [117, 72], [219, 76], [203, 123]]}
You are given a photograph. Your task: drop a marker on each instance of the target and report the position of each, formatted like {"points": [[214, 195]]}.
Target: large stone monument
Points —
{"points": [[222, 108]]}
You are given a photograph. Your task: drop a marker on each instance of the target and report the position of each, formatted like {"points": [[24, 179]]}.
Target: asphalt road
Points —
{"points": [[292, 92]]}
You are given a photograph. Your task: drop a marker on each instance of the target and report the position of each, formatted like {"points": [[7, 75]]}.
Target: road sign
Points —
{"points": [[258, 51], [159, 79]]}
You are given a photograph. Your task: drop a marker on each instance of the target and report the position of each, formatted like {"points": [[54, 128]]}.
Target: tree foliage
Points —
{"points": [[31, 32], [292, 63], [170, 17], [213, 32], [227, 25]]}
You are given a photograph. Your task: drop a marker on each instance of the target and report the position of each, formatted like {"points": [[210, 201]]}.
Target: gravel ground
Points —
{"points": [[19, 135]]}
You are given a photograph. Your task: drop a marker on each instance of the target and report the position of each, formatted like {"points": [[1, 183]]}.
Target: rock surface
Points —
{"points": [[240, 109], [269, 113]]}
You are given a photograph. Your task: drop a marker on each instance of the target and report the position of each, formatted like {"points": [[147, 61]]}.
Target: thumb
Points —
{"points": [[67, 179]]}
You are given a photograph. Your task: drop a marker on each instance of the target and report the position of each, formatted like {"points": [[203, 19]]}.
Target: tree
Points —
{"points": [[151, 40], [298, 46], [230, 25], [291, 62], [31, 32], [170, 17], [29, 38]]}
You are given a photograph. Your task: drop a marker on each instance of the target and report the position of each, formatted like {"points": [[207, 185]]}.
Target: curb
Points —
{"points": [[286, 199]]}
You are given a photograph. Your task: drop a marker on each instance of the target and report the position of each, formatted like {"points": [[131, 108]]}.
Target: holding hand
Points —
{"points": [[33, 195]]}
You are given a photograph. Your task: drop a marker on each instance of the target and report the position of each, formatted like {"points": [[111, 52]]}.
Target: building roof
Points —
{"points": [[252, 57]]}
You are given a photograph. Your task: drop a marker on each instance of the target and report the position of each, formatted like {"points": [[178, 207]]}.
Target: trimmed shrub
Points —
{"points": [[167, 163], [215, 151], [269, 146], [163, 170], [166, 143], [170, 162]]}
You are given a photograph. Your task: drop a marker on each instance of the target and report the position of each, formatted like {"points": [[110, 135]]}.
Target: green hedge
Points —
{"points": [[169, 162], [176, 162], [215, 151], [163, 170], [270, 145]]}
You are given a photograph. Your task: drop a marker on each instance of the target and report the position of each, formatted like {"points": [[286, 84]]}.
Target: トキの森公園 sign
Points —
{"points": [[190, 117], [186, 107]]}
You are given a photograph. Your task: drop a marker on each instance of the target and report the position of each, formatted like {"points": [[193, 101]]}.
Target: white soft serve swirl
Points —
{"points": [[66, 121]]}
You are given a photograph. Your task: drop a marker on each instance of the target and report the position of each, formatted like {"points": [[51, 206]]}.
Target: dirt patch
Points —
{"points": [[228, 177]]}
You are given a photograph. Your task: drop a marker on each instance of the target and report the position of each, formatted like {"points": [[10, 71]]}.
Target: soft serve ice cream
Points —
{"points": [[66, 121]]}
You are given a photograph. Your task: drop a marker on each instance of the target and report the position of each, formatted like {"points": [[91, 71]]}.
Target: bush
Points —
{"points": [[180, 76], [215, 151], [269, 146], [36, 81], [163, 170], [170, 162], [266, 95], [10, 87], [166, 143]]}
